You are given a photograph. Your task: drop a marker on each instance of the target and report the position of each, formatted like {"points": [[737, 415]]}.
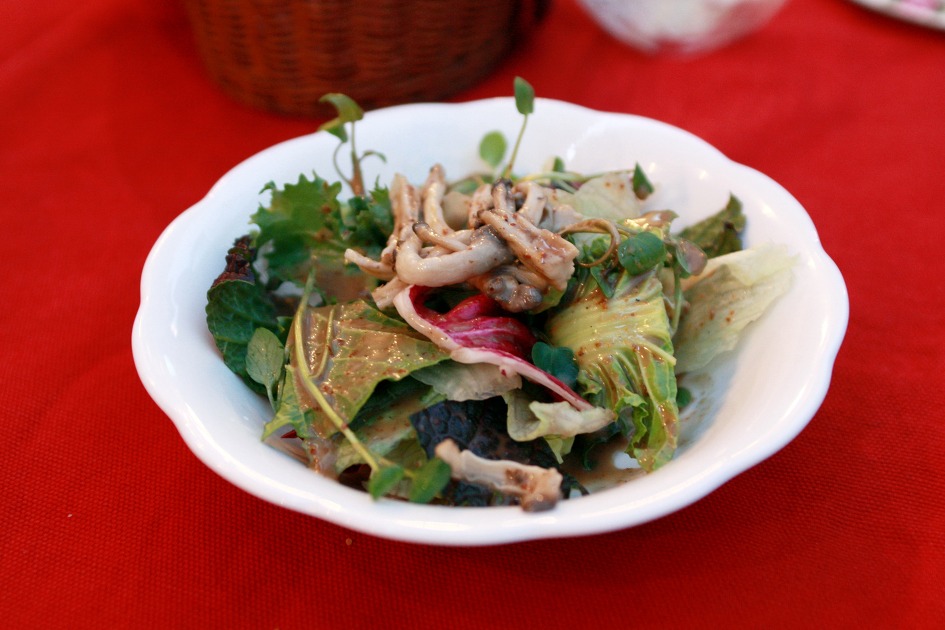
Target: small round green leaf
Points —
{"points": [[557, 361], [429, 480], [492, 148], [337, 129], [524, 96], [642, 187], [384, 479], [348, 110], [265, 356], [641, 252]]}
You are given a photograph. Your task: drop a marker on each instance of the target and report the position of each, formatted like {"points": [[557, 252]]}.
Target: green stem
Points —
{"points": [[677, 299], [334, 161], [357, 179], [312, 389], [518, 142]]}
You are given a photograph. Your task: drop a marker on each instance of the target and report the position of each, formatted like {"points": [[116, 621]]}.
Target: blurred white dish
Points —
{"points": [[756, 401], [680, 26], [926, 12]]}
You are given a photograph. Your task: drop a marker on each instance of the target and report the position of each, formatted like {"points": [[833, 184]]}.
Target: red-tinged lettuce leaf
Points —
{"points": [[342, 352], [236, 306]]}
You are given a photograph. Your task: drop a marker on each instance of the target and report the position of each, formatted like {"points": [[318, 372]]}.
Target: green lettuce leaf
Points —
{"points": [[468, 381], [558, 422], [624, 351], [389, 434], [383, 426], [559, 362], [346, 350], [609, 196], [290, 414], [720, 233], [734, 290]]}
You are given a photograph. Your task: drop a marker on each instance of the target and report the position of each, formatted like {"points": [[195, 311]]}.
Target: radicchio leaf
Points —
{"points": [[472, 335], [476, 322]]}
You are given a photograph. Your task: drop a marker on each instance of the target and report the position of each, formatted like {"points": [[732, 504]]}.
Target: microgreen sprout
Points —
{"points": [[492, 148], [525, 104], [349, 112]]}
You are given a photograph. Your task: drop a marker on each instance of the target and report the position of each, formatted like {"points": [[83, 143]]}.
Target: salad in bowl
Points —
{"points": [[582, 331], [480, 341]]}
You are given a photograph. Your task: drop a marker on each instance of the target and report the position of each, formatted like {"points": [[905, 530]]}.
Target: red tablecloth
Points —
{"points": [[109, 128]]}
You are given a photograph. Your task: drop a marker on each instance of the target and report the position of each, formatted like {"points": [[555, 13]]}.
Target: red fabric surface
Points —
{"points": [[109, 128]]}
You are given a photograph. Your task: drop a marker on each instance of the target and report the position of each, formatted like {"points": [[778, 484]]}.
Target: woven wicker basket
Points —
{"points": [[283, 55]]}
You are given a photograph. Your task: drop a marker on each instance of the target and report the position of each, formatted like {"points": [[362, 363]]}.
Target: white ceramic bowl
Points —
{"points": [[680, 26], [757, 400]]}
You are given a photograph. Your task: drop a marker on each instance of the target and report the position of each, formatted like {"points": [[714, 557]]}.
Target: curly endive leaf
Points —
{"points": [[301, 219]]}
